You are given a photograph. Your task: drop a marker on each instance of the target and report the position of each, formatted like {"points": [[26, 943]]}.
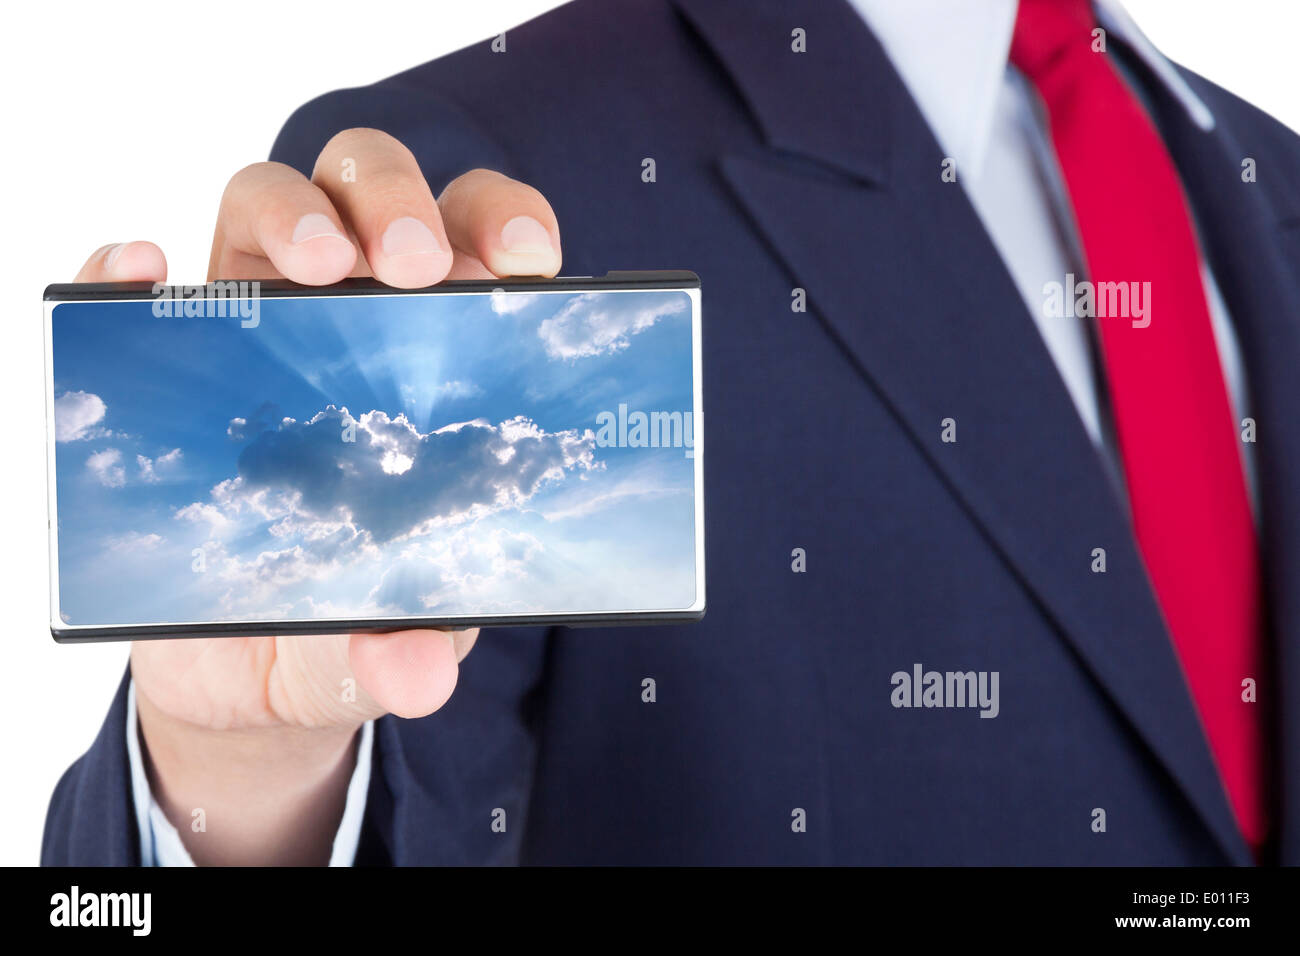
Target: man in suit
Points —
{"points": [[917, 466]]}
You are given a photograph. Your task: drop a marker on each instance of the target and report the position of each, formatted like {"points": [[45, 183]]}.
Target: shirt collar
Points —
{"points": [[952, 55]]}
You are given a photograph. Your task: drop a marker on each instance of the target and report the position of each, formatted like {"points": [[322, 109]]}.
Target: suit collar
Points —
{"points": [[806, 104], [825, 104], [908, 284], [905, 279], [1164, 76]]}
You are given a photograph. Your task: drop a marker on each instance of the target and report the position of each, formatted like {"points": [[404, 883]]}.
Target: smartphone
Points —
{"points": [[268, 458]]}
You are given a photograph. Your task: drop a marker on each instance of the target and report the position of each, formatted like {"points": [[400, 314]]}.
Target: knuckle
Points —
{"points": [[489, 188], [248, 176], [380, 163], [389, 186], [362, 138], [256, 171], [474, 179], [530, 195]]}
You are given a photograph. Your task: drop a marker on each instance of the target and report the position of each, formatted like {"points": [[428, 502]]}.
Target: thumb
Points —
{"points": [[408, 673], [125, 262]]}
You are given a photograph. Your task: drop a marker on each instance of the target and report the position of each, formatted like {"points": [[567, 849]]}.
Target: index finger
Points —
{"points": [[272, 220], [376, 184]]}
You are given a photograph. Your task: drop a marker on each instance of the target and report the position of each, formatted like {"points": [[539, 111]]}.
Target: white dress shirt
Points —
{"points": [[952, 55], [160, 843]]}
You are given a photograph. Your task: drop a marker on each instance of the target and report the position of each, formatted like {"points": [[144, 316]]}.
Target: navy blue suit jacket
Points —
{"points": [[775, 171]]}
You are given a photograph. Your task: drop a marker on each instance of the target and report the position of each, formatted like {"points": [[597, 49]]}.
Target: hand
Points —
{"points": [[260, 733]]}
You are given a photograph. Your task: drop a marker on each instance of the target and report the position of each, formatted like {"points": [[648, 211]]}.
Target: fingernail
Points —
{"points": [[111, 257], [524, 235], [315, 225], [408, 237]]}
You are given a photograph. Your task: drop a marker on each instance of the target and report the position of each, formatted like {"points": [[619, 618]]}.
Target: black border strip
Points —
{"points": [[283, 288]]}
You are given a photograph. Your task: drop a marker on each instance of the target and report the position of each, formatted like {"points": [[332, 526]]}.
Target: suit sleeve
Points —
{"points": [[452, 788], [91, 820]]}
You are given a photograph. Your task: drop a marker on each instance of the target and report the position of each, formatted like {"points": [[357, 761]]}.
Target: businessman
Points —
{"points": [[999, 349]]}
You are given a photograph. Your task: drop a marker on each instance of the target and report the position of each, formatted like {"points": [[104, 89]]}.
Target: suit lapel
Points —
{"points": [[1251, 235], [902, 274]]}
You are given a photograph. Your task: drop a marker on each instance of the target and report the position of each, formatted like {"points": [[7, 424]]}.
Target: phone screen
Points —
{"points": [[488, 456]]}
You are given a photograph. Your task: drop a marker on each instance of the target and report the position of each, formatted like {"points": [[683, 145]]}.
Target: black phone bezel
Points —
{"points": [[281, 288]]}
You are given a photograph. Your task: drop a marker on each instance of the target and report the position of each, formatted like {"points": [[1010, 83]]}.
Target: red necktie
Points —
{"points": [[1175, 429]]}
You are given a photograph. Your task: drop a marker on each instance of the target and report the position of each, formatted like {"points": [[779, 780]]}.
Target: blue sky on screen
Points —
{"points": [[203, 473]]}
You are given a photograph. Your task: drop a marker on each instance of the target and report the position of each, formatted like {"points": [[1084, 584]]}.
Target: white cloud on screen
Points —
{"points": [[106, 468], [133, 542], [153, 470], [471, 566], [509, 304], [333, 502], [77, 416], [593, 324]]}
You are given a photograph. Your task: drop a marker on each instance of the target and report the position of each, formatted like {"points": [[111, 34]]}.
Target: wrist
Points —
{"points": [[261, 796]]}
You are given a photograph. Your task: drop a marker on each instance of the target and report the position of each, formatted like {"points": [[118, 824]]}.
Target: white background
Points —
{"points": [[125, 120]]}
